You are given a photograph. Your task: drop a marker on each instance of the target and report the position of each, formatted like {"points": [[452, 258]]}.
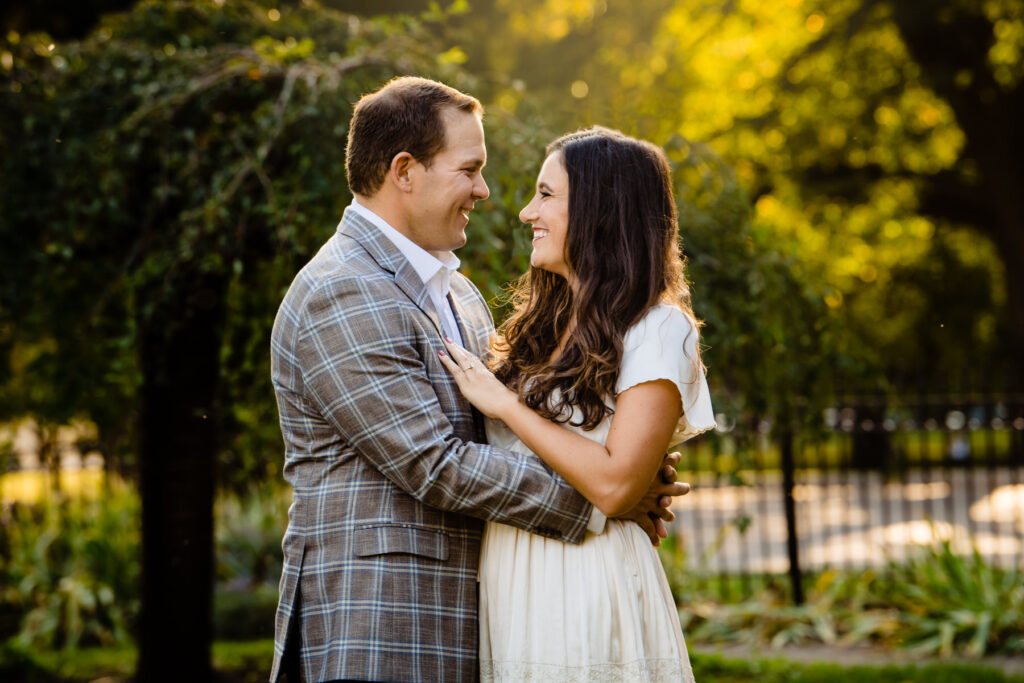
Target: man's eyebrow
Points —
{"points": [[475, 163]]}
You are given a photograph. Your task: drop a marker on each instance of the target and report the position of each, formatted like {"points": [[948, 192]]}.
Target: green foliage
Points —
{"points": [[20, 664], [957, 603], [939, 603], [49, 666], [250, 660], [768, 330], [722, 670], [248, 535], [247, 661], [249, 529], [865, 162], [188, 137], [251, 657], [242, 614], [198, 137], [69, 570], [209, 137]]}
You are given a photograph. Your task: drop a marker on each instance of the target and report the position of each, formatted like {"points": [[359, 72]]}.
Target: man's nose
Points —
{"points": [[480, 189]]}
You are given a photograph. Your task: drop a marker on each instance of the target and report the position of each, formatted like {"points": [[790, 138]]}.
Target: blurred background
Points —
{"points": [[850, 176]]}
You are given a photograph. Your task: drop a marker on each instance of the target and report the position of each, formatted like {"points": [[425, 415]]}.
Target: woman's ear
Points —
{"points": [[400, 171]]}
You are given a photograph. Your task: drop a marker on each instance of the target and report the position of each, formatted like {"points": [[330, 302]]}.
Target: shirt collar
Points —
{"points": [[427, 264]]}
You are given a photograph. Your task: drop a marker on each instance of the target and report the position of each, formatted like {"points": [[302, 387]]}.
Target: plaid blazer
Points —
{"points": [[390, 480]]}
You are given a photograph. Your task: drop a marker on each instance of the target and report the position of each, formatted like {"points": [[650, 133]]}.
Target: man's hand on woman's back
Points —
{"points": [[652, 512]]}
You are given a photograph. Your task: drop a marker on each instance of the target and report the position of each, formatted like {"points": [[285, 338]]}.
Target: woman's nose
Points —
{"points": [[528, 214]]}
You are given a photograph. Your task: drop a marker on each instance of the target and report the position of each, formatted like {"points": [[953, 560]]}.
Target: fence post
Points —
{"points": [[788, 482]]}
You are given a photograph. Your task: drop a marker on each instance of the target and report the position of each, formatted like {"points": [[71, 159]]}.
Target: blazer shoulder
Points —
{"points": [[344, 258], [341, 275]]}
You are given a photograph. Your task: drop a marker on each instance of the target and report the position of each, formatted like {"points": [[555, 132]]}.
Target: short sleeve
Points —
{"points": [[663, 345]]}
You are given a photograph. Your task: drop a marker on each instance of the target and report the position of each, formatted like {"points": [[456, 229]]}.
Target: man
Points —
{"points": [[391, 479]]}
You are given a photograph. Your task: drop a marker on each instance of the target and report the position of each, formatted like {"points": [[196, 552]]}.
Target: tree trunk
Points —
{"points": [[948, 41], [1011, 245], [179, 355]]}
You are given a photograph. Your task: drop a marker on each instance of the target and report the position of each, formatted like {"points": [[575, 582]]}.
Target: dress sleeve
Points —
{"points": [[663, 345]]}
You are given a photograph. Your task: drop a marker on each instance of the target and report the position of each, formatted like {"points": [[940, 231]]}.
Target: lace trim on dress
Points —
{"points": [[648, 670]]}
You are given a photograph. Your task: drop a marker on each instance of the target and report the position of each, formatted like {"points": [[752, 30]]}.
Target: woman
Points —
{"points": [[597, 371]]}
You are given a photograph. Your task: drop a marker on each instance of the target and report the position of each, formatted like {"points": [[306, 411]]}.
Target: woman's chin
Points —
{"points": [[548, 268]]}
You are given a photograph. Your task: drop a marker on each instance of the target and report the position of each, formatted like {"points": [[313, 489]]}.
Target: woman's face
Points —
{"points": [[548, 215]]}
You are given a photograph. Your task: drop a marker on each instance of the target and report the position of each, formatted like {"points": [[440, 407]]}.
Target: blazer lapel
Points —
{"points": [[390, 259], [470, 335], [409, 282]]}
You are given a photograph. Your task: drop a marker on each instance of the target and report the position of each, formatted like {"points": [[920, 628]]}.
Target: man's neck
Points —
{"points": [[384, 208]]}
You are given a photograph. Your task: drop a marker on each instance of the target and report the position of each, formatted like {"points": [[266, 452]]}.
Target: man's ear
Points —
{"points": [[400, 171]]}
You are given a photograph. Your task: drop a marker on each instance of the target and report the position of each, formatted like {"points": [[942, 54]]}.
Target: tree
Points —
{"points": [[61, 19], [971, 57], [164, 180], [874, 138], [168, 175]]}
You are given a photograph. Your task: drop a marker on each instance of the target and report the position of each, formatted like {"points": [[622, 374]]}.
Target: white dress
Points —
{"points": [[601, 610]]}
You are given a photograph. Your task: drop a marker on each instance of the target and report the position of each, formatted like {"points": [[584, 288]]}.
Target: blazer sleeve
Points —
{"points": [[363, 367]]}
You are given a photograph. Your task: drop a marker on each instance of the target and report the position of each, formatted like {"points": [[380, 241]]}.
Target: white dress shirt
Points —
{"points": [[435, 268]]}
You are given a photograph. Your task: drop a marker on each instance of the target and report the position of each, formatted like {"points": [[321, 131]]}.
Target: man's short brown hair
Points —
{"points": [[403, 116]]}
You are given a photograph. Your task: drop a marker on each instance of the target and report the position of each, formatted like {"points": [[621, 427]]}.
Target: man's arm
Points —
{"points": [[365, 370]]}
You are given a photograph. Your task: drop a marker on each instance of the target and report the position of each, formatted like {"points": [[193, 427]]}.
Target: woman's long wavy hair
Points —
{"points": [[623, 252]]}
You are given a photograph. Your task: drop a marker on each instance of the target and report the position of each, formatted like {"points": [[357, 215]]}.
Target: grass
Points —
{"points": [[717, 669], [240, 662], [34, 666], [249, 662]]}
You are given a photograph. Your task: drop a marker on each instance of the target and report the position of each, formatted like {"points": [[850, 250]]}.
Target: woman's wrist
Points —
{"points": [[508, 405]]}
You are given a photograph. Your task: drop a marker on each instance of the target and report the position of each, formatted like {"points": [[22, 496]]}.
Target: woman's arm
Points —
{"points": [[613, 477]]}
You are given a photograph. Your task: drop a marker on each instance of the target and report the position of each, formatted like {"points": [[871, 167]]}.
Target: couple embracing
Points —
{"points": [[469, 506]]}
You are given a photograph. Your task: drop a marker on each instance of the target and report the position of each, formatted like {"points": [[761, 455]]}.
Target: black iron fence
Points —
{"points": [[880, 478]]}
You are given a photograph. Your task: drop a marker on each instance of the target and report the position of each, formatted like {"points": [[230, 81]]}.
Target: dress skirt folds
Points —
{"points": [[601, 610]]}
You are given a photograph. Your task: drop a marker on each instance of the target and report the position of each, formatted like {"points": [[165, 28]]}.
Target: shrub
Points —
{"points": [[952, 603], [248, 532], [938, 603], [69, 568], [69, 571]]}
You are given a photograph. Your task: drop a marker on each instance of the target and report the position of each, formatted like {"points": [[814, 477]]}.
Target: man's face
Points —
{"points": [[444, 194]]}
